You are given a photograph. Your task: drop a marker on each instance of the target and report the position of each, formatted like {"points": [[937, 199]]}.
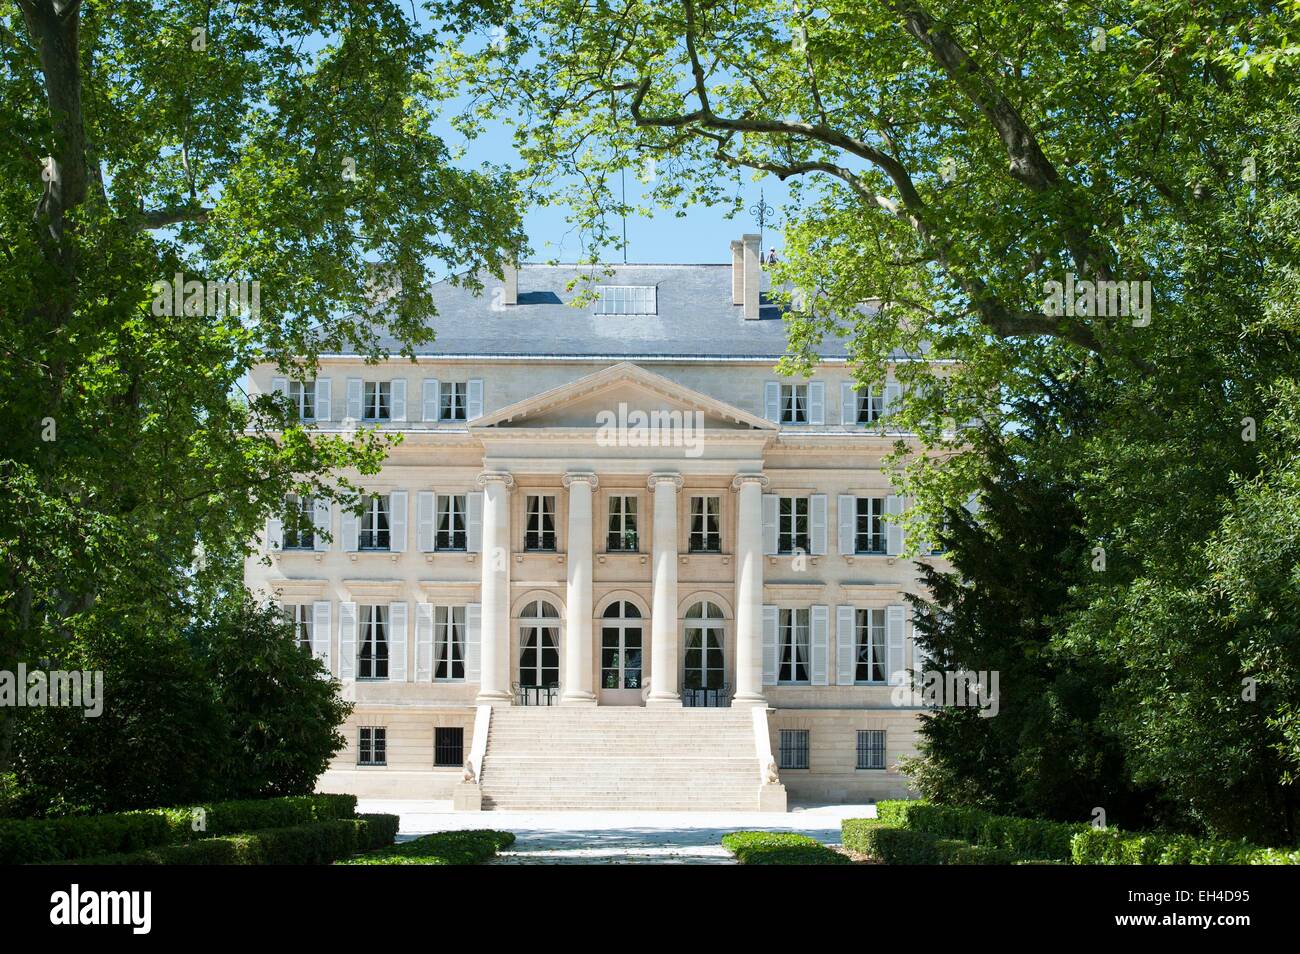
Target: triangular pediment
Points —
{"points": [[620, 393]]}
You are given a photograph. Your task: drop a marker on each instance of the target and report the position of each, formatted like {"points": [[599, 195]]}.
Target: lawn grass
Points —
{"points": [[440, 848], [780, 848]]}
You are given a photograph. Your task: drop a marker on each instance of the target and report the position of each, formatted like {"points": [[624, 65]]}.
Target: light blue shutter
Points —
{"points": [[474, 522], [770, 504], [846, 513], [274, 534], [817, 402], [423, 642], [350, 531], [424, 506], [772, 401], [919, 660], [894, 527], [397, 521], [769, 645], [324, 399], [817, 524], [347, 640], [397, 642], [893, 397], [474, 399], [845, 645], [355, 399], [430, 399], [820, 645], [320, 632], [473, 630], [397, 410], [280, 386], [895, 621], [848, 403]]}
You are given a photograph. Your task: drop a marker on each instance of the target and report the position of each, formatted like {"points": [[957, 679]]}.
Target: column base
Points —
{"points": [[664, 701], [578, 699], [494, 697], [748, 700]]}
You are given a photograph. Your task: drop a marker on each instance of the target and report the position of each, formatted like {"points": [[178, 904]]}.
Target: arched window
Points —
{"points": [[620, 646], [539, 653], [704, 668]]}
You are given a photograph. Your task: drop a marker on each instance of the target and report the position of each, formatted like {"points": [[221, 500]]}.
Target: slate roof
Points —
{"points": [[695, 317]]}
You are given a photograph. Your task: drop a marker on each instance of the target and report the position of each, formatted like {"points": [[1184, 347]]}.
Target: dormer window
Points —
{"points": [[627, 300]]}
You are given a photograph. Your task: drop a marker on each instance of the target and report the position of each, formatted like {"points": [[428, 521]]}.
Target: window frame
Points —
{"points": [[455, 512], [302, 395], [794, 535], [302, 539], [448, 394], [449, 633], [878, 529], [867, 749], [870, 402], [871, 630], [377, 397], [372, 751], [794, 404], [372, 633], [535, 537], [799, 633], [370, 534], [445, 761], [797, 750], [705, 534], [302, 617], [616, 538]]}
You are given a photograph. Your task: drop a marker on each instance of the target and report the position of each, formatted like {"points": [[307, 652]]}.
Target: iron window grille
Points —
{"points": [[794, 749], [372, 747], [871, 748], [448, 746]]}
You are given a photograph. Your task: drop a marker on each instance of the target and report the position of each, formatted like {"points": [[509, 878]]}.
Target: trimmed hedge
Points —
{"points": [[780, 848], [78, 836], [904, 846], [440, 848], [1113, 847], [1027, 838], [316, 843]]}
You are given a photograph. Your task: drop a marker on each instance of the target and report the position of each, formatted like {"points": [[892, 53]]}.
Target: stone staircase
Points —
{"points": [[620, 758]]}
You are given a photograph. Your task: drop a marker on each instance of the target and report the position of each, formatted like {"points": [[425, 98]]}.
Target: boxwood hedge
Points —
{"points": [[1028, 838], [440, 848], [780, 848], [895, 845]]}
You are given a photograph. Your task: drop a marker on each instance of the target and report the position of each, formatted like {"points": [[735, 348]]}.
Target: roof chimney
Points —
{"points": [[753, 275], [510, 282], [737, 272]]}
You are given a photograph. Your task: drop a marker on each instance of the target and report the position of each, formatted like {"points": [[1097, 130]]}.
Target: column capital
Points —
{"points": [[580, 478], [496, 477], [654, 479], [739, 479]]}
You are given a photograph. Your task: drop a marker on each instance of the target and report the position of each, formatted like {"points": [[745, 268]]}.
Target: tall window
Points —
{"points": [[372, 745], [869, 629], [622, 524], [706, 525], [453, 399], [620, 646], [871, 407], [299, 526], [869, 535], [793, 634], [449, 642], [448, 745], [539, 534], [375, 526], [300, 616], [451, 523], [792, 525], [794, 404], [704, 669], [378, 400], [302, 395], [539, 653], [871, 748], [794, 749], [372, 653]]}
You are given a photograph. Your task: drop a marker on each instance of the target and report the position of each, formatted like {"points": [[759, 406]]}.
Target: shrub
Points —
{"points": [[440, 848], [904, 846], [1023, 837], [1114, 847], [59, 839], [780, 848]]}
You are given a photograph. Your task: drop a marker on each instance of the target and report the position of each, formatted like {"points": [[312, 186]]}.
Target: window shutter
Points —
{"points": [[817, 402], [397, 521], [324, 399], [397, 411], [972, 504], [355, 391], [848, 403], [280, 386], [322, 511], [430, 399], [769, 523], [846, 512], [424, 506], [772, 401], [817, 524], [820, 618], [274, 534], [895, 617], [473, 627], [919, 658], [474, 399], [474, 522], [350, 531], [769, 645], [893, 396], [347, 640], [845, 645], [423, 642], [320, 632], [397, 642], [894, 527]]}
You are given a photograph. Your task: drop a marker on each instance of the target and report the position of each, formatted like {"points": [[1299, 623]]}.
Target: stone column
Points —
{"points": [[579, 559], [749, 589], [494, 634], [663, 612]]}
